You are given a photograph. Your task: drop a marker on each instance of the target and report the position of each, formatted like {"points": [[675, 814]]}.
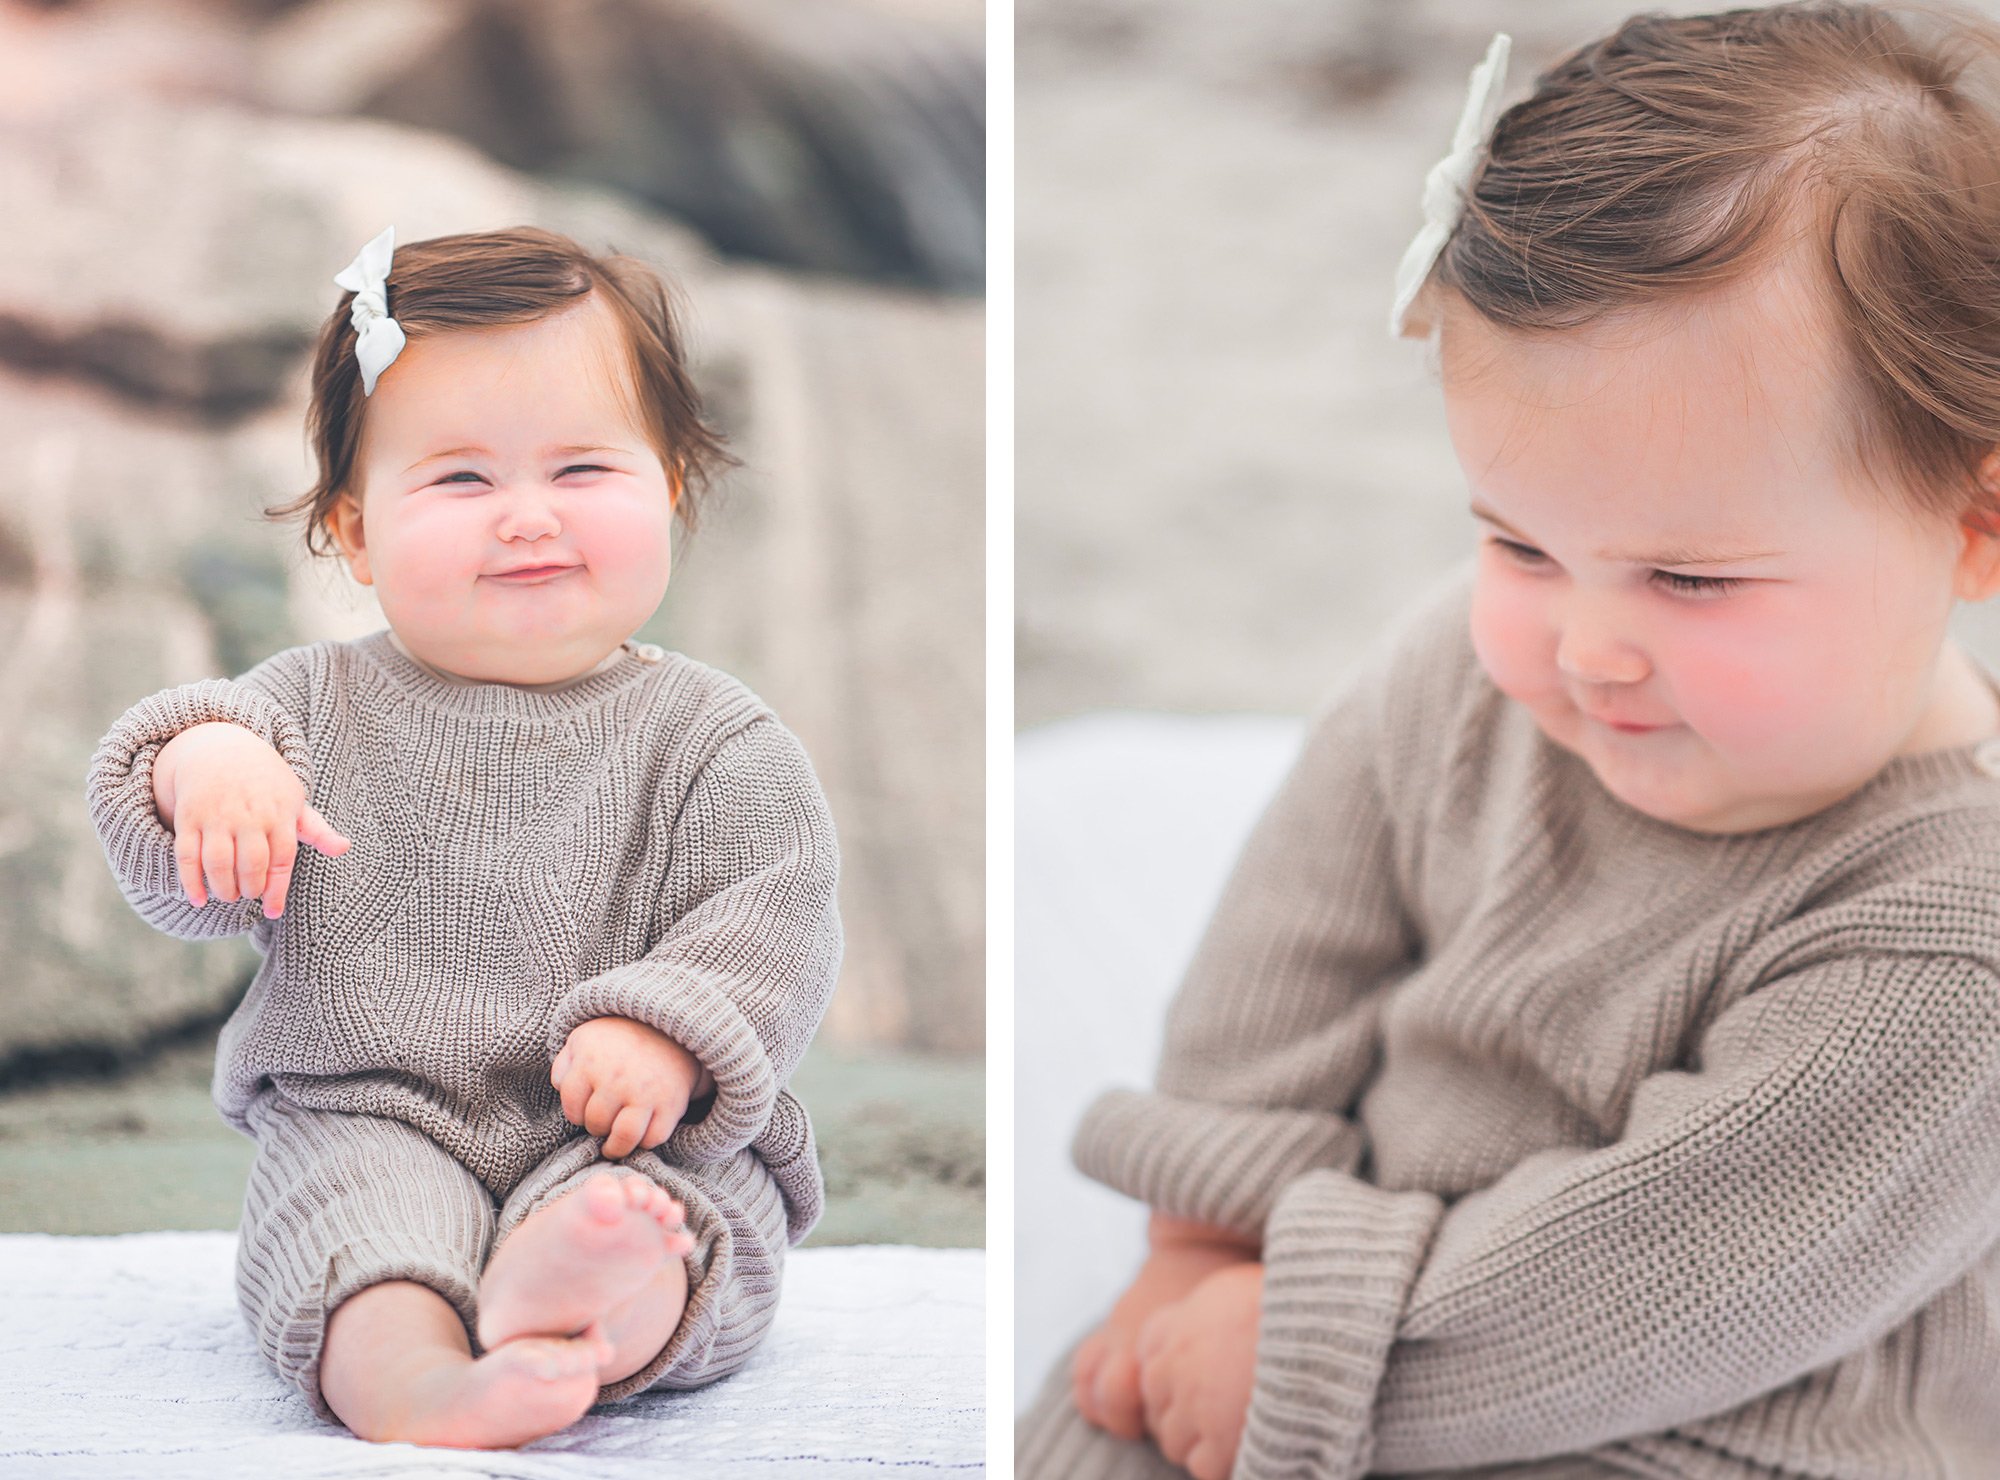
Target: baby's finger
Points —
{"points": [[600, 1112], [576, 1091], [561, 1066], [1205, 1461], [218, 861], [1119, 1408], [663, 1126], [1083, 1376], [187, 858], [1172, 1433], [253, 862], [316, 830], [278, 882], [626, 1129]]}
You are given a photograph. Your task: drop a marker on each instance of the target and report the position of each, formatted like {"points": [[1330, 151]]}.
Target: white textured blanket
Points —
{"points": [[125, 1358]]}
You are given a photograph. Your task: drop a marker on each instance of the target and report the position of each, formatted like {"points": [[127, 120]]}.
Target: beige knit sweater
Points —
{"points": [[647, 841], [1566, 1129]]}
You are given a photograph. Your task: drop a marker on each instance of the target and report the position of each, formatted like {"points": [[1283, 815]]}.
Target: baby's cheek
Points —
{"points": [[1511, 636], [1754, 687]]}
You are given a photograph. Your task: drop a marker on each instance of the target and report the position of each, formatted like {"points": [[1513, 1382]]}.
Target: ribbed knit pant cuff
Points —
{"points": [[1218, 1164], [1340, 1258]]}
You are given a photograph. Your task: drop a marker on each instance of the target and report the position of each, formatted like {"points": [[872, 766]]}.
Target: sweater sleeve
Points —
{"points": [[1271, 1036], [1829, 1165], [270, 701], [742, 973]]}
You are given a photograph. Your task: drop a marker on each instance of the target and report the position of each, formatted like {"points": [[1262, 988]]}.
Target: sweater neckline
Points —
{"points": [[502, 700]]}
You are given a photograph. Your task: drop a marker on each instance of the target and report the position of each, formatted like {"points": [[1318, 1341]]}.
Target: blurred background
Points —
{"points": [[1229, 478], [180, 180]]}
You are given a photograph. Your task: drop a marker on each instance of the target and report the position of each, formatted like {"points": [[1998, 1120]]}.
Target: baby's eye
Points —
{"points": [[584, 468], [1526, 554], [1699, 585]]}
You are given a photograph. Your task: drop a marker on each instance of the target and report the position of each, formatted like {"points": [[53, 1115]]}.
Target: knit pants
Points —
{"points": [[1052, 1442], [338, 1202]]}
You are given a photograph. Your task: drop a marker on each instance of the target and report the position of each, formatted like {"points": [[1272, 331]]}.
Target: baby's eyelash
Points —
{"points": [[1690, 585], [572, 468]]}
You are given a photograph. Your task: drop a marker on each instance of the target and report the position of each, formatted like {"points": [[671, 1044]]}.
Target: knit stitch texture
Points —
{"points": [[1570, 1132], [647, 842]]}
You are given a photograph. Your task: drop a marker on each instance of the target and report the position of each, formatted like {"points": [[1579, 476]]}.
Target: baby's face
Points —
{"points": [[1604, 468], [484, 451]]}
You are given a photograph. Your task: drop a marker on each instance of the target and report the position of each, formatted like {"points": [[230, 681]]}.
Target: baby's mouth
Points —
{"points": [[532, 575]]}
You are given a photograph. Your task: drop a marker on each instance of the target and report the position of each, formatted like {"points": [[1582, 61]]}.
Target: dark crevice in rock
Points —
{"points": [[34, 1068], [217, 382]]}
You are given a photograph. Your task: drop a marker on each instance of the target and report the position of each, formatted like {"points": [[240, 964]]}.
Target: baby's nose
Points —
{"points": [[1595, 656]]}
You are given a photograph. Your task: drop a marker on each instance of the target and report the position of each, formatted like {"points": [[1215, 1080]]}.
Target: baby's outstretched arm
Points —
{"points": [[138, 813]]}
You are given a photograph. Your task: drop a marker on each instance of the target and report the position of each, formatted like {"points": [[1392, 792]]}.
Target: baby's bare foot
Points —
{"points": [[523, 1391], [572, 1261]]}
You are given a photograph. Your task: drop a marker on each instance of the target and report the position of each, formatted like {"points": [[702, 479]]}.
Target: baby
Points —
{"points": [[1593, 1065], [570, 899]]}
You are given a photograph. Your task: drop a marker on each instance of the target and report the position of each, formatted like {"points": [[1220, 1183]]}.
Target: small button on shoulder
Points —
{"points": [[652, 652], [1987, 756]]}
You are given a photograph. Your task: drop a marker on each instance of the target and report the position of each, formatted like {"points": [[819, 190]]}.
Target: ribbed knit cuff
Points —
{"points": [[1218, 1164], [788, 1152], [1340, 1258], [701, 1020], [119, 784]]}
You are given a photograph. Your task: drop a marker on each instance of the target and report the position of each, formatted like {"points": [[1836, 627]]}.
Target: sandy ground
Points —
{"points": [[1228, 474]]}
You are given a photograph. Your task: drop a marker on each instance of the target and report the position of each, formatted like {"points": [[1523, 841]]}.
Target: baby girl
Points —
{"points": [[569, 899], [1593, 1065]]}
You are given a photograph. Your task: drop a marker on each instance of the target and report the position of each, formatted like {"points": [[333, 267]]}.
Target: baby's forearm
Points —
{"points": [[1164, 1231]]}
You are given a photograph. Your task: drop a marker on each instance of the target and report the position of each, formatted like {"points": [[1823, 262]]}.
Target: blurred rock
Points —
{"points": [[94, 614], [179, 261], [826, 134]]}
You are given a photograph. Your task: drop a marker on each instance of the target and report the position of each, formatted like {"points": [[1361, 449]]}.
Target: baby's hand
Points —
{"points": [[1197, 1365], [626, 1082], [237, 811], [1104, 1376]]}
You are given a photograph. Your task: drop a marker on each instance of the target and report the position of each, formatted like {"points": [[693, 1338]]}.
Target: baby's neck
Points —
{"points": [[1964, 709], [607, 661]]}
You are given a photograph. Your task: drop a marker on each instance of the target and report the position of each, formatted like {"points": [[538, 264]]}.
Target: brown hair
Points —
{"points": [[1678, 154], [488, 279]]}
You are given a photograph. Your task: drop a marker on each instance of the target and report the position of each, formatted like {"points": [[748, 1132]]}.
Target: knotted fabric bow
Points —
{"points": [[378, 339], [1450, 181]]}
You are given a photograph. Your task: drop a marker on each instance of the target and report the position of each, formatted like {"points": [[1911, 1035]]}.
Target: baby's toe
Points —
{"points": [[602, 1197]]}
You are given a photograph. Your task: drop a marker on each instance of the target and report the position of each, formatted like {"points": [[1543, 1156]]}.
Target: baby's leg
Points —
{"points": [[357, 1264], [699, 1315]]}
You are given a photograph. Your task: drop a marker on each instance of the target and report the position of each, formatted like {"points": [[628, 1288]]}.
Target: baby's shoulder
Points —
{"points": [[689, 704]]}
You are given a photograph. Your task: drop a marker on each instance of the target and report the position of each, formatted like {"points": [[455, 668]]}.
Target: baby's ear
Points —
{"points": [[343, 520], [1977, 576]]}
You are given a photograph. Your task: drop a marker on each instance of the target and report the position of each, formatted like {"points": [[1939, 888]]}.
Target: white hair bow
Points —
{"points": [[1450, 180], [378, 339]]}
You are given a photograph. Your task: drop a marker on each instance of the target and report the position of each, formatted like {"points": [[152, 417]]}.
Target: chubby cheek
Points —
{"points": [[1756, 684], [1512, 637]]}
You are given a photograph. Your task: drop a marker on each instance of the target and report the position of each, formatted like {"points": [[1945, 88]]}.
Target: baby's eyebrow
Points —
{"points": [[1682, 556], [463, 451]]}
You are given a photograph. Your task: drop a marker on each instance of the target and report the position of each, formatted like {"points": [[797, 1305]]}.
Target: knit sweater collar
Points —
{"points": [[450, 692]]}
